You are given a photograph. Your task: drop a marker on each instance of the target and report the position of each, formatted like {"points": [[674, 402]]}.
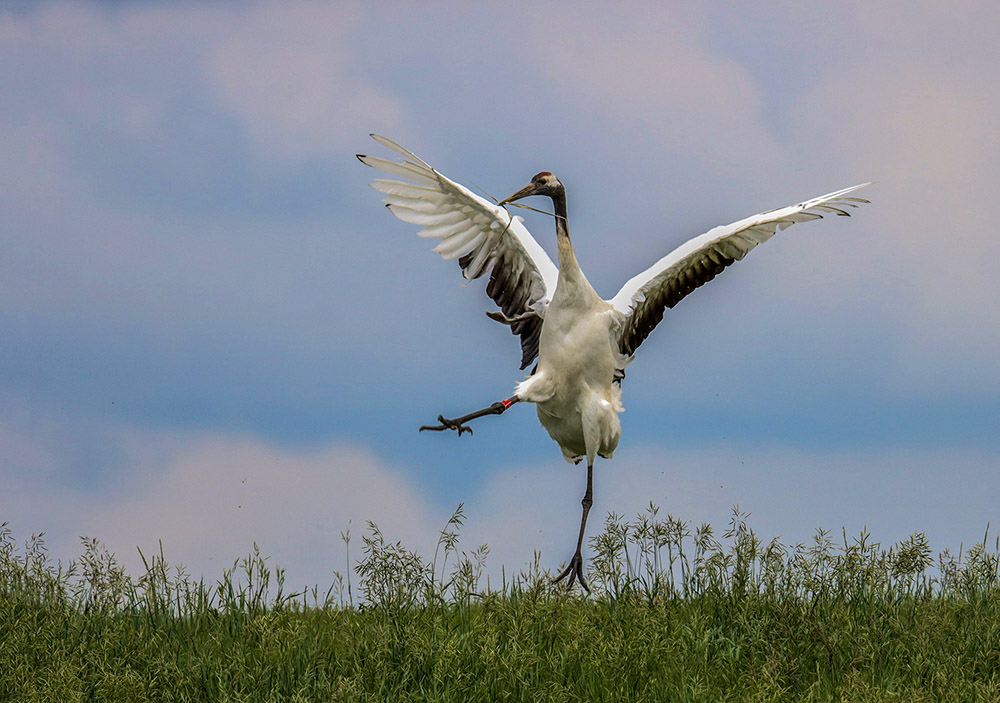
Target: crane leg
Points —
{"points": [[575, 568], [459, 422]]}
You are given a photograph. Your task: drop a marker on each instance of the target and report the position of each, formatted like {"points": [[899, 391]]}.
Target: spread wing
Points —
{"points": [[643, 300], [482, 236]]}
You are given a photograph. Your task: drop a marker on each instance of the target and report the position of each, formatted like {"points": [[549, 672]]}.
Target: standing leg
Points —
{"points": [[575, 568]]}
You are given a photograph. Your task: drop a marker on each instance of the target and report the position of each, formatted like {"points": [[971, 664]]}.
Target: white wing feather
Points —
{"points": [[643, 299], [481, 235]]}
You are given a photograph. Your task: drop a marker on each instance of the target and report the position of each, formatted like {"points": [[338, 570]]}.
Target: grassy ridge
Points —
{"points": [[676, 615]]}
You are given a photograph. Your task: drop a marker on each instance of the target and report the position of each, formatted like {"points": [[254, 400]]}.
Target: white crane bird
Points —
{"points": [[582, 342]]}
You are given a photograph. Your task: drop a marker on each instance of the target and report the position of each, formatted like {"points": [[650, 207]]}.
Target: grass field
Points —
{"points": [[677, 614]]}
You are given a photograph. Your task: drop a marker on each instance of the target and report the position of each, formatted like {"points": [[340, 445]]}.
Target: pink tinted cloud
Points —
{"points": [[285, 73]]}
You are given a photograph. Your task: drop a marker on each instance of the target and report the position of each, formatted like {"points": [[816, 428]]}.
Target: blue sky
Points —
{"points": [[214, 334]]}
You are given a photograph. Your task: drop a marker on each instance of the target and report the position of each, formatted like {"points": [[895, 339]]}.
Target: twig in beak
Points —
{"points": [[533, 209]]}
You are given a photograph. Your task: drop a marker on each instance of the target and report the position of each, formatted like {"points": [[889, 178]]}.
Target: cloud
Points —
{"points": [[282, 72], [651, 70], [285, 73], [209, 497], [789, 493], [140, 241], [926, 132]]}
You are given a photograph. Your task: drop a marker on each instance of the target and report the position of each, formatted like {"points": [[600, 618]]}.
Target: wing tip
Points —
{"points": [[399, 149], [859, 186]]}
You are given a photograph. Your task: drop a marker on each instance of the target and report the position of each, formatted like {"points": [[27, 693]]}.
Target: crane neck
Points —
{"points": [[559, 209], [569, 268], [567, 258]]}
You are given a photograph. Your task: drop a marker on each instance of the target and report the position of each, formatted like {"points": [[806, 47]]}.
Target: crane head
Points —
{"points": [[544, 183]]}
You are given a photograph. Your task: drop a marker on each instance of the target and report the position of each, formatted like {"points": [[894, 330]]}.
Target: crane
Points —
{"points": [[582, 342]]}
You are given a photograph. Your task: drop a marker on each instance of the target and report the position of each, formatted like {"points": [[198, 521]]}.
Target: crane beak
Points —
{"points": [[529, 189]]}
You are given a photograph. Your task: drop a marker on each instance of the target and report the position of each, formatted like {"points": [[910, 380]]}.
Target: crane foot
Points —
{"points": [[575, 573], [447, 424], [458, 423]]}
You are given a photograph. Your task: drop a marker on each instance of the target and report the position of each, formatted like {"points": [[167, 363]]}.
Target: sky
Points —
{"points": [[214, 335]]}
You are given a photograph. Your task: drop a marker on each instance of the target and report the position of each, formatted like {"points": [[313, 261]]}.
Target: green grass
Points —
{"points": [[676, 615]]}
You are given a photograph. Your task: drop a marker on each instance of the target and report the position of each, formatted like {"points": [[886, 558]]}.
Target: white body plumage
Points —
{"points": [[573, 387]]}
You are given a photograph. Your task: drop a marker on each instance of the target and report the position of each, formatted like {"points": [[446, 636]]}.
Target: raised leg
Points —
{"points": [[459, 422], [575, 568]]}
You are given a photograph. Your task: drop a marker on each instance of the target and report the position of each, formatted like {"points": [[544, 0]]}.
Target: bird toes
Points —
{"points": [[447, 424], [575, 572]]}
